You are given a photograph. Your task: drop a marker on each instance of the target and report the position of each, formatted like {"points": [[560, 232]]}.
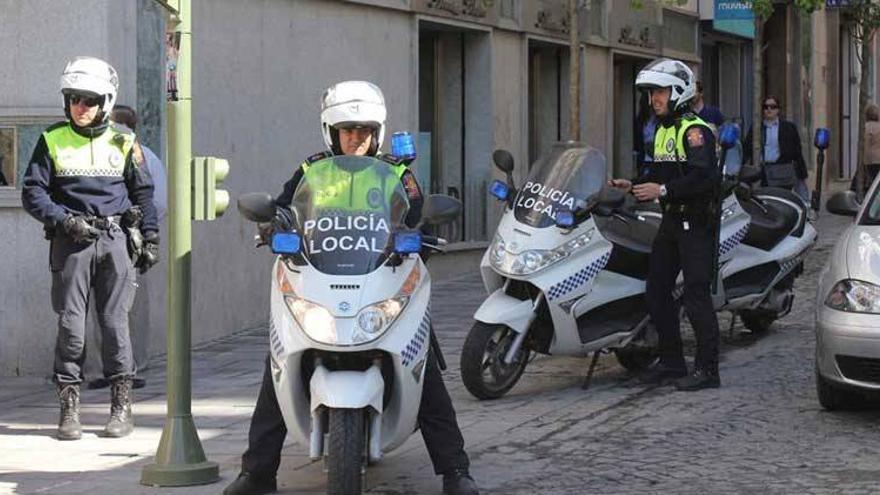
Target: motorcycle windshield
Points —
{"points": [[562, 179], [346, 208]]}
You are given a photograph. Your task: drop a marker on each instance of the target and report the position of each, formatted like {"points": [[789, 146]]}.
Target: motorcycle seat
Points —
{"points": [[632, 234], [770, 223]]}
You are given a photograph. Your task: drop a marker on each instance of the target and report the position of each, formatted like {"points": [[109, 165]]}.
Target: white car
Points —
{"points": [[848, 307]]}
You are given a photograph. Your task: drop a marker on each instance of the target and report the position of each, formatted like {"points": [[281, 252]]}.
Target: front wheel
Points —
{"points": [[345, 454], [832, 397], [756, 320], [483, 370], [641, 353]]}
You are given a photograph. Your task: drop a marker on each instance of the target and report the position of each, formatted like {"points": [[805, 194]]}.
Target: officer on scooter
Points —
{"points": [[683, 176], [353, 123]]}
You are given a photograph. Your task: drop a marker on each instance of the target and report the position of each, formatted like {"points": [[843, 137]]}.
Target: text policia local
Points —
{"points": [[347, 233], [544, 199]]}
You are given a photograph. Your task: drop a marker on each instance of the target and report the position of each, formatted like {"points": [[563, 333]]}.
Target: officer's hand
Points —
{"points": [[647, 192], [265, 230], [622, 184], [149, 253], [79, 230]]}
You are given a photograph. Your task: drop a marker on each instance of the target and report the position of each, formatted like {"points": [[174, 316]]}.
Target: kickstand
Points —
{"points": [[593, 362], [732, 324]]}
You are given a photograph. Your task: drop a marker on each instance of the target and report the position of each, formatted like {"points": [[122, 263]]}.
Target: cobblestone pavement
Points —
{"points": [[762, 432]]}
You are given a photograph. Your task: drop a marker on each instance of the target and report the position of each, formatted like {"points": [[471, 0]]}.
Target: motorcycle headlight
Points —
{"points": [[314, 319], [854, 296], [533, 260], [375, 319]]}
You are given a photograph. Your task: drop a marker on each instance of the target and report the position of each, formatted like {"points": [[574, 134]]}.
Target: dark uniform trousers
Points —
{"points": [[436, 420], [76, 268], [689, 251]]}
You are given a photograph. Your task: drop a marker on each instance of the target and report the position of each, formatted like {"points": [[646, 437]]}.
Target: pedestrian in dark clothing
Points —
{"points": [[708, 113], [83, 177], [781, 144]]}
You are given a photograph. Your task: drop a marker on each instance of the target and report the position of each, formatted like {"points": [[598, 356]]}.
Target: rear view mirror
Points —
{"points": [[440, 209], [843, 203], [503, 160], [257, 207]]}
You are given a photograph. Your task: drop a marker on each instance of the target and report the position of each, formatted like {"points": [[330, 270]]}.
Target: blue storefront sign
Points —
{"points": [[735, 17]]}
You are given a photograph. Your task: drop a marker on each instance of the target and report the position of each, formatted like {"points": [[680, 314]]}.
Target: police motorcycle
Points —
{"points": [[350, 315], [565, 272], [769, 232]]}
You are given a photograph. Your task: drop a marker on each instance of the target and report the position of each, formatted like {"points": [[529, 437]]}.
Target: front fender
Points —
{"points": [[499, 308], [347, 389]]}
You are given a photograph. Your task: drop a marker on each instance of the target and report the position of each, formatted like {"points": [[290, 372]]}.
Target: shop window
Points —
{"points": [[8, 157]]}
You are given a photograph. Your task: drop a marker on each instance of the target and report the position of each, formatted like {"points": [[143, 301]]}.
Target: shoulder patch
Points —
{"points": [[695, 137], [411, 186], [318, 157], [137, 154], [392, 159]]}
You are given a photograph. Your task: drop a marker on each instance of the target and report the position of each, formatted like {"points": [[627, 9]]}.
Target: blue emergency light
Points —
{"points": [[402, 145], [407, 242], [499, 190], [823, 137], [286, 243], [728, 135], [565, 219]]}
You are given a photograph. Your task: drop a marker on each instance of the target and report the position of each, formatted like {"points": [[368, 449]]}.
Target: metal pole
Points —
{"points": [[180, 459]]}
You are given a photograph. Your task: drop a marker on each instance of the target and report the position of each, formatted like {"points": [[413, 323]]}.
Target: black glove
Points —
{"points": [[149, 252], [79, 230]]}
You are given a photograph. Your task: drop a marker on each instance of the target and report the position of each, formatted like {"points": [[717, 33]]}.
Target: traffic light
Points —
{"points": [[209, 202]]}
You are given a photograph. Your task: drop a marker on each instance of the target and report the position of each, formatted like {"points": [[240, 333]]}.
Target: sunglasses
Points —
{"points": [[89, 101], [771, 107]]}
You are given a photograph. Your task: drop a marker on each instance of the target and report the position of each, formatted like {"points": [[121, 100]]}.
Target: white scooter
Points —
{"points": [[350, 316], [569, 279], [565, 273], [769, 232]]}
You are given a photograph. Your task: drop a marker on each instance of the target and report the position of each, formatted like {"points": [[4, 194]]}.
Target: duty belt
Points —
{"points": [[104, 223], [674, 208]]}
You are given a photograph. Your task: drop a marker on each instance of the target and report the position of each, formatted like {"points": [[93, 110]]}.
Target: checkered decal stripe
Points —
{"points": [[733, 241], [578, 279], [415, 346], [90, 172], [275, 341]]}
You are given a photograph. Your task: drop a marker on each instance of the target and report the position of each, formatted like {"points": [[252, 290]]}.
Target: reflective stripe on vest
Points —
{"points": [[669, 147], [78, 156]]}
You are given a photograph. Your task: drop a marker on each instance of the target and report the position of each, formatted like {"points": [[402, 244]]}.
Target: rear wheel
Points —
{"points": [[832, 397], [483, 370], [345, 454], [757, 321], [641, 353]]}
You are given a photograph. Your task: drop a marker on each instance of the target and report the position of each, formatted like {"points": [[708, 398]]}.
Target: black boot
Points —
{"points": [[661, 375], [69, 427], [698, 380], [121, 423], [246, 484], [459, 482]]}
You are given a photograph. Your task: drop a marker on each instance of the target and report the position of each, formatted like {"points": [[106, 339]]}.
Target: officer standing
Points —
{"points": [[683, 176], [83, 177], [353, 123]]}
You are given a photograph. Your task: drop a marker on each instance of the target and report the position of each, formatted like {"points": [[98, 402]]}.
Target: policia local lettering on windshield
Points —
{"points": [[350, 233], [558, 199]]}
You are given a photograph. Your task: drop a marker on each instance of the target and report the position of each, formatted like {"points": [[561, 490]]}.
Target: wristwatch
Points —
{"points": [[662, 190]]}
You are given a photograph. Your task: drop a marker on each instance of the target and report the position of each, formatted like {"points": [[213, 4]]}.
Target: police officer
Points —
{"points": [[353, 123], [683, 176], [84, 175]]}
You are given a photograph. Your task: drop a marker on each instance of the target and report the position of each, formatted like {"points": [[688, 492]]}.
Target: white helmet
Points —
{"points": [[349, 104], [668, 73], [90, 75]]}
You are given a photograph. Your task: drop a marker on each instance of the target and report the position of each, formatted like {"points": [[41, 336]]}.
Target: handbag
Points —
{"points": [[780, 175]]}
